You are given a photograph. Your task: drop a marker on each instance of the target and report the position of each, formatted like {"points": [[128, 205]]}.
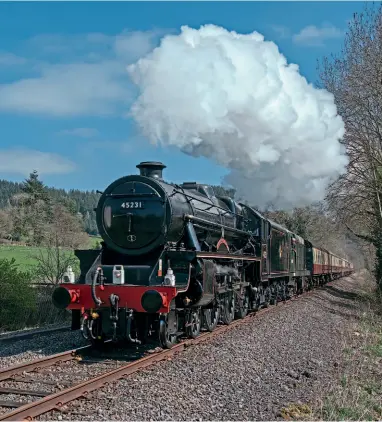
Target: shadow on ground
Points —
{"points": [[342, 297]]}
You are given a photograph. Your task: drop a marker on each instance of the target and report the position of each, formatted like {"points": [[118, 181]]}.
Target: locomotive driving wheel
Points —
{"points": [[267, 296], [242, 304], [275, 293], [194, 323], [211, 317], [283, 290], [168, 327], [228, 308]]}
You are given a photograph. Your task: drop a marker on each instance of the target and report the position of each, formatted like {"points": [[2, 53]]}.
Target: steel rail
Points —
{"points": [[56, 400], [17, 336], [41, 363]]}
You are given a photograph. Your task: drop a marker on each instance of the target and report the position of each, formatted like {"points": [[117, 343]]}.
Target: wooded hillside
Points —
{"points": [[82, 202]]}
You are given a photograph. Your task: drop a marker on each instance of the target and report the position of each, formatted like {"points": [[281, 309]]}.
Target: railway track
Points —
{"points": [[7, 338], [25, 374], [31, 382], [68, 391]]}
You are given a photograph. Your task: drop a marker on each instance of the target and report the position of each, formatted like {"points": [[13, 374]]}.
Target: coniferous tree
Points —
{"points": [[32, 210], [35, 189]]}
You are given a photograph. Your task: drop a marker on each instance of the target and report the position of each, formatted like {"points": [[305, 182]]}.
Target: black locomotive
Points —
{"points": [[177, 257]]}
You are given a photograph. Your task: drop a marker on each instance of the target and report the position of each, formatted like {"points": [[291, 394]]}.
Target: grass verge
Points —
{"points": [[24, 255], [358, 394]]}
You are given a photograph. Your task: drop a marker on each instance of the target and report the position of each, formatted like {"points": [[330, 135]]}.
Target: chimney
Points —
{"points": [[151, 169]]}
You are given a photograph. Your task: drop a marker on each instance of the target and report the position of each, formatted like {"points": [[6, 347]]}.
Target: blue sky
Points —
{"points": [[65, 94]]}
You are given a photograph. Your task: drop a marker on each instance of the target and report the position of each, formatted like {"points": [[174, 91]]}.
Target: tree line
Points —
{"points": [[76, 201], [32, 213], [354, 77]]}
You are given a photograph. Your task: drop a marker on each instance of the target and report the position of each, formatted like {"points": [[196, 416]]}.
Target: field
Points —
{"points": [[23, 255]]}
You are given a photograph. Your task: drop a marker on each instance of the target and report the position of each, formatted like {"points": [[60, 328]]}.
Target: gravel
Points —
{"points": [[39, 346], [289, 355], [28, 331], [55, 378]]}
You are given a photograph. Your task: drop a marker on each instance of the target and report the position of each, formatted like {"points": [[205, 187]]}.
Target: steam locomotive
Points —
{"points": [[178, 258]]}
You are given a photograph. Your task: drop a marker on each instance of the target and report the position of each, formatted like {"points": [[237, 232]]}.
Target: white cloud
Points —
{"points": [[44, 45], [24, 161], [78, 75], [68, 90], [281, 30], [81, 132], [312, 35], [130, 46], [10, 59]]}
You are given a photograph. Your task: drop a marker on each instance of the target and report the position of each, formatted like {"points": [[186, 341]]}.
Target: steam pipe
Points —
{"points": [[84, 320], [96, 299], [194, 243], [90, 325], [212, 223]]}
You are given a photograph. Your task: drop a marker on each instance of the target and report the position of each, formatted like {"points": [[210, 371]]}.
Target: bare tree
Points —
{"points": [[61, 236], [319, 225], [6, 224], [355, 79]]}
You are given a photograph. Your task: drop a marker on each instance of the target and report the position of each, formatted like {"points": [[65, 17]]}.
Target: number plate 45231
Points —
{"points": [[133, 205]]}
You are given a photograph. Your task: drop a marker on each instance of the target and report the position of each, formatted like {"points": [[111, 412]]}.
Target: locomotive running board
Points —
{"points": [[226, 256]]}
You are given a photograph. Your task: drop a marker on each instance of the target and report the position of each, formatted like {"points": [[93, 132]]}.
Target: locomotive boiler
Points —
{"points": [[139, 214]]}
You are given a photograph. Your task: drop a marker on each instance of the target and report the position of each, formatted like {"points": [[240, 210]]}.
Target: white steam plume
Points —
{"points": [[234, 99]]}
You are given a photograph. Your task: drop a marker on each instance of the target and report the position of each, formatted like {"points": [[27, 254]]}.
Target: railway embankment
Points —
{"points": [[311, 358], [356, 392]]}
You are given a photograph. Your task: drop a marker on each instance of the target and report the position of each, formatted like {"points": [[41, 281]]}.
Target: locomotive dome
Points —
{"points": [[131, 213]]}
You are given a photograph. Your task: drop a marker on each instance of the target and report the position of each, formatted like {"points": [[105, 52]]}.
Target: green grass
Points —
{"points": [[93, 240], [358, 395], [23, 255]]}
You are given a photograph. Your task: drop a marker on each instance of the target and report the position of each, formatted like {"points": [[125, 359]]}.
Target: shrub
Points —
{"points": [[17, 297]]}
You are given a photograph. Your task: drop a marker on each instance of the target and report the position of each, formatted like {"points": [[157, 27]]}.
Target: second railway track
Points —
{"points": [[32, 383], [47, 386]]}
